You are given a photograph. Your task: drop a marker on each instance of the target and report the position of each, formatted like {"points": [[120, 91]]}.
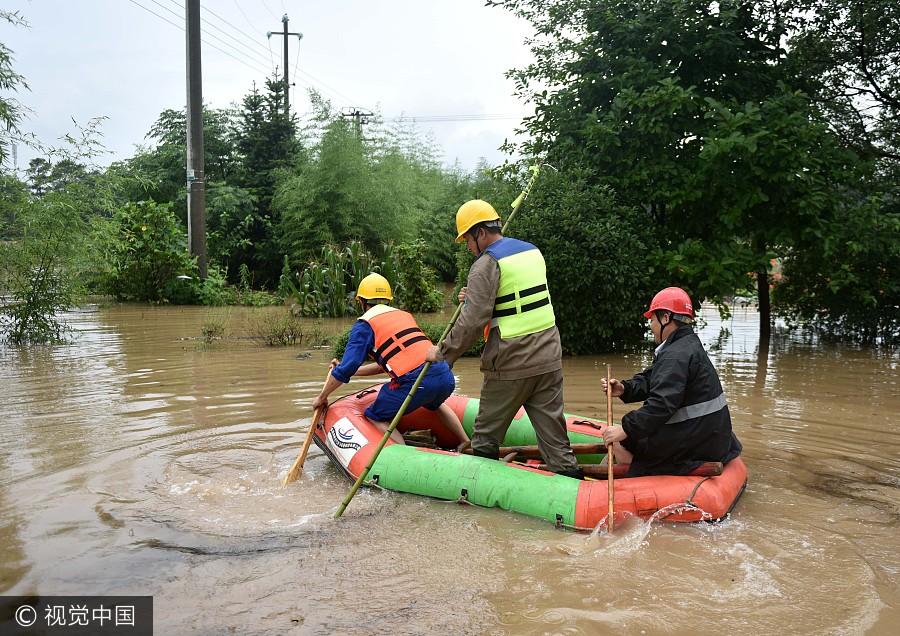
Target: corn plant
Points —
{"points": [[327, 287]]}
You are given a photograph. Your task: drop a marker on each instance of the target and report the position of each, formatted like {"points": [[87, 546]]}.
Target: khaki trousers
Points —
{"points": [[542, 397]]}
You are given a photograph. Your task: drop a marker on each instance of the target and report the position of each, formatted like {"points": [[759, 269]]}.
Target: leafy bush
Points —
{"points": [[149, 254], [40, 265], [417, 291]]}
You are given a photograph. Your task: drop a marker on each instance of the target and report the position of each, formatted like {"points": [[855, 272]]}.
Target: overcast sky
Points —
{"points": [[125, 60]]}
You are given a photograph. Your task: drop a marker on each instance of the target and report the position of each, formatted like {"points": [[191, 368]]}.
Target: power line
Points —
{"points": [[156, 14], [316, 83], [269, 10], [181, 28], [231, 46], [442, 118], [220, 30]]}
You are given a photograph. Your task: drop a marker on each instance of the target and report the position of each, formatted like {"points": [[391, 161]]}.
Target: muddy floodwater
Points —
{"points": [[134, 461]]}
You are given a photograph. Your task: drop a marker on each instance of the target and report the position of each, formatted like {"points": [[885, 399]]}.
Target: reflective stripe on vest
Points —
{"points": [[400, 345], [693, 411], [523, 303]]}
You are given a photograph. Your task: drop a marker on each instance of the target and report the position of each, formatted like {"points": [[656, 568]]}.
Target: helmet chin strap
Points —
{"points": [[475, 238], [662, 327]]}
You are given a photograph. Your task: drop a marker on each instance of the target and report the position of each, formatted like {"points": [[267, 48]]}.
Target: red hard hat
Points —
{"points": [[673, 299]]}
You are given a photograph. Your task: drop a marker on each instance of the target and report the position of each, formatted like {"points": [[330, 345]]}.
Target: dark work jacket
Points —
{"points": [[684, 421]]}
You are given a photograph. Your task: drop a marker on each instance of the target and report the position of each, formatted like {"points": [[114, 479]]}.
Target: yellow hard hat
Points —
{"points": [[471, 213], [374, 286]]}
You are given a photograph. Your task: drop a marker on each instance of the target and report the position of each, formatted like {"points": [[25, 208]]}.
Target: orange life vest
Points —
{"points": [[400, 345]]}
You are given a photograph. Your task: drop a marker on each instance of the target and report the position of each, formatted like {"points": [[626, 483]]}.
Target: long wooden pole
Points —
{"points": [[297, 469], [598, 471], [610, 475], [387, 434], [533, 451]]}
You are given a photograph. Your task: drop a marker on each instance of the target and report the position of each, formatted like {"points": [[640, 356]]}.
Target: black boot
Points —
{"points": [[577, 473], [488, 454]]}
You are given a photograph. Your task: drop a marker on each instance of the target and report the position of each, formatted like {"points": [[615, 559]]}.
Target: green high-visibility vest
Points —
{"points": [[523, 303]]}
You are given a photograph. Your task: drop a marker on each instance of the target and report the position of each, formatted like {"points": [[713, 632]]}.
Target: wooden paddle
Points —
{"points": [[297, 469], [610, 476]]}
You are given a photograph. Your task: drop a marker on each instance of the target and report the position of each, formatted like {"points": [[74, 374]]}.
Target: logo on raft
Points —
{"points": [[344, 440]]}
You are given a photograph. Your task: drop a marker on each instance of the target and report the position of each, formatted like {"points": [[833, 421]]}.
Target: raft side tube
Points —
{"points": [[477, 480]]}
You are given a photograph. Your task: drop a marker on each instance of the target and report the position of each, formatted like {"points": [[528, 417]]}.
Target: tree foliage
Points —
{"points": [[266, 144], [352, 188], [849, 52], [698, 114], [147, 253], [40, 268], [595, 250], [158, 172]]}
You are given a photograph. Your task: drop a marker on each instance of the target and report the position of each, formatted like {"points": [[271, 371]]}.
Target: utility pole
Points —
{"points": [[287, 85], [361, 118], [196, 186]]}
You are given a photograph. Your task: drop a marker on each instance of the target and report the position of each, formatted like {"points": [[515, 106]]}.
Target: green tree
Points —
{"points": [[594, 248], [231, 218], [840, 280], [849, 53], [47, 251], [158, 173], [267, 145], [417, 291], [13, 195], [687, 110], [39, 270], [848, 285], [38, 175], [348, 190]]}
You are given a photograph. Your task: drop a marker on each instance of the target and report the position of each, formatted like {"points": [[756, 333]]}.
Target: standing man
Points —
{"points": [[522, 357], [393, 339], [684, 421]]}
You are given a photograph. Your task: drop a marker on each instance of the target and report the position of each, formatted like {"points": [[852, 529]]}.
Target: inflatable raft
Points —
{"points": [[520, 483]]}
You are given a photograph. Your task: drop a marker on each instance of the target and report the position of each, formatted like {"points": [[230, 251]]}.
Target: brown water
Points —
{"points": [[135, 464]]}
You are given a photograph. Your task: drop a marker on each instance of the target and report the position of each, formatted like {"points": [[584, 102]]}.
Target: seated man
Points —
{"points": [[397, 345], [684, 421]]}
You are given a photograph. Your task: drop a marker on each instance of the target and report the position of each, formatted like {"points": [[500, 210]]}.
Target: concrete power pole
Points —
{"points": [[287, 85], [361, 117], [196, 179]]}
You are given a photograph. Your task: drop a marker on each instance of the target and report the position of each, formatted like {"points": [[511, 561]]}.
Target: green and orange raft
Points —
{"points": [[520, 483]]}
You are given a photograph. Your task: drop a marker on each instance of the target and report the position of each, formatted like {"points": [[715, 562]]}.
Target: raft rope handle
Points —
{"points": [[689, 500], [374, 483]]}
